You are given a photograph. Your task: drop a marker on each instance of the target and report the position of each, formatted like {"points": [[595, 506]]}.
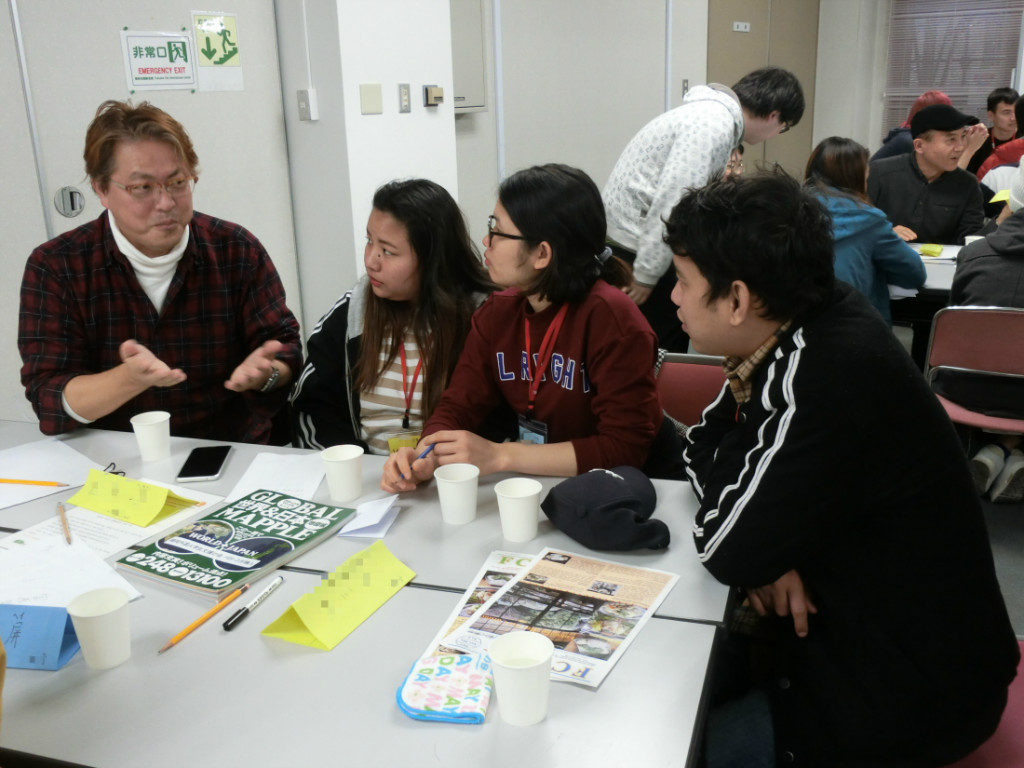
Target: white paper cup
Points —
{"points": [[153, 433], [971, 238], [100, 618], [522, 676], [344, 465], [518, 507], [456, 487]]}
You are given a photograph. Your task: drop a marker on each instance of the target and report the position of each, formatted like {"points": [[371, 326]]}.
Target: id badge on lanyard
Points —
{"points": [[532, 430]]}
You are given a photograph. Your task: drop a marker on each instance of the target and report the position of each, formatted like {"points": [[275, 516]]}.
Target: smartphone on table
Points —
{"points": [[205, 463]]}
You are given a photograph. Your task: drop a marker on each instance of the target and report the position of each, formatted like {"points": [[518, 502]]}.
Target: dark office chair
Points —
{"points": [[985, 341]]}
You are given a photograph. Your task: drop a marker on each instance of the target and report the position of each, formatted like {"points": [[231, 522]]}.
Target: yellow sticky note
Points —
{"points": [[130, 500], [346, 598], [1001, 196]]}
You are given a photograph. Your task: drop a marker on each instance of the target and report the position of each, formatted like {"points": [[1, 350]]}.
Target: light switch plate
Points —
{"points": [[371, 99], [404, 100]]}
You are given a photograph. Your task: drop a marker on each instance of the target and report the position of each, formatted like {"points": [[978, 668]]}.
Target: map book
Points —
{"points": [[238, 543]]}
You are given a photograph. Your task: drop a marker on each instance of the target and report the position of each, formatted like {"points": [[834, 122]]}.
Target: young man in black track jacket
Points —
{"points": [[833, 490]]}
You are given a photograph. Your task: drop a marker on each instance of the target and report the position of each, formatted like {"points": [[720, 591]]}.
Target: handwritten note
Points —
{"points": [[48, 459], [54, 573], [106, 536]]}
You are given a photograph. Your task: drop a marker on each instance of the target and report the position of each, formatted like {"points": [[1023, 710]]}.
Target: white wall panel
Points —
{"points": [[580, 78], [852, 39], [21, 227]]}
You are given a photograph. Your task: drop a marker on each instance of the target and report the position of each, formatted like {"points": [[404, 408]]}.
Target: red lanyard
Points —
{"points": [[547, 346], [408, 391]]}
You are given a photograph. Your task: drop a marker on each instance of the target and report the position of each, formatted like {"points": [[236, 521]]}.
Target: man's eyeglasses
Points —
{"points": [[492, 232], [177, 187]]}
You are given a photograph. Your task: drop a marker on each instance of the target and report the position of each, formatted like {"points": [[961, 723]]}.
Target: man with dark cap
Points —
{"points": [[925, 194]]}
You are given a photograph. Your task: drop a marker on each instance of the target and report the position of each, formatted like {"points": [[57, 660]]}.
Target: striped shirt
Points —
{"points": [[383, 406]]}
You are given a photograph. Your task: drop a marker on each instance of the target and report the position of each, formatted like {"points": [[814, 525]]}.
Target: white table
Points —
{"points": [[450, 555], [237, 698], [441, 554], [938, 273]]}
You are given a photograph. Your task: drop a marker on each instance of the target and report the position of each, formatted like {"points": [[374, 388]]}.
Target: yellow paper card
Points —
{"points": [[130, 500], [1002, 196], [346, 598]]}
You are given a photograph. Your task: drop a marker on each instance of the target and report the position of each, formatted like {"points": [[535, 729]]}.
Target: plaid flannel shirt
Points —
{"points": [[80, 299], [739, 372]]}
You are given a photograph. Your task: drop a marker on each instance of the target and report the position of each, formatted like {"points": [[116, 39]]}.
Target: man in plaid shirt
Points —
{"points": [[154, 306]]}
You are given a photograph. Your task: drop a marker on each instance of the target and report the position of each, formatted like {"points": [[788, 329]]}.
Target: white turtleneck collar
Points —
{"points": [[153, 272]]}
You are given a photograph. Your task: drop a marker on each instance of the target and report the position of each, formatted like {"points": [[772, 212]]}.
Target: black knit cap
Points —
{"points": [[939, 117], [607, 509]]}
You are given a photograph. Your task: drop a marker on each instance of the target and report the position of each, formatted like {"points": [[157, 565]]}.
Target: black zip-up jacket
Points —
{"points": [[844, 467], [325, 403], [943, 211]]}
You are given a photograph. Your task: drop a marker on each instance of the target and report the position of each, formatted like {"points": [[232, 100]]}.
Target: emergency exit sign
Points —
{"points": [[158, 60]]}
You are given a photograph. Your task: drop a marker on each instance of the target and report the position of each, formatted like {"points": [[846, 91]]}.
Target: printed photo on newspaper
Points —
{"points": [[498, 569], [591, 609]]}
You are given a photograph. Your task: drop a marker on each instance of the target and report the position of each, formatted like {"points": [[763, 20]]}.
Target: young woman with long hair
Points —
{"points": [[379, 360], [562, 345], [869, 255]]}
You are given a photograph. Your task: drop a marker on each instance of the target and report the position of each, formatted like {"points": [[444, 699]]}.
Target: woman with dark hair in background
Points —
{"points": [[868, 254], [562, 345], [379, 360]]}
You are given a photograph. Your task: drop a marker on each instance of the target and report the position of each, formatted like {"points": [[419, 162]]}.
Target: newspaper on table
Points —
{"points": [[498, 569], [591, 609]]}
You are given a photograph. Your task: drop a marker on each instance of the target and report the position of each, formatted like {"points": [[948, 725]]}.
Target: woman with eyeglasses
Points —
{"points": [[869, 255], [561, 344], [379, 360]]}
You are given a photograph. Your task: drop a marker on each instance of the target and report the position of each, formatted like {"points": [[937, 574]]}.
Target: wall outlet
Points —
{"points": [[404, 103], [433, 95], [741, 26]]}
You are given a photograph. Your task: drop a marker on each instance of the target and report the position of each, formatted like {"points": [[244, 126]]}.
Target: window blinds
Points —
{"points": [[964, 48]]}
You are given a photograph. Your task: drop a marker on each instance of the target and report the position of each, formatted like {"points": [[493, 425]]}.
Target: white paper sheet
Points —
{"points": [[53, 572], [49, 459], [107, 536], [372, 519], [291, 474]]}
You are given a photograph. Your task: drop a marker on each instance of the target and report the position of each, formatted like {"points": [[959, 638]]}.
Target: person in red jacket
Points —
{"points": [[562, 345]]}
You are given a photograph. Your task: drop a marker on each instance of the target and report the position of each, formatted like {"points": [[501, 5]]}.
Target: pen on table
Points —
{"points": [[241, 613], [64, 522], [421, 456], [202, 619], [14, 481]]}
